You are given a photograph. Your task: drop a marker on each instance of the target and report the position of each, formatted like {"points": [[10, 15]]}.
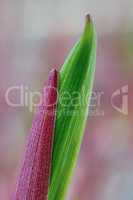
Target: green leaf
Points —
{"points": [[75, 88]]}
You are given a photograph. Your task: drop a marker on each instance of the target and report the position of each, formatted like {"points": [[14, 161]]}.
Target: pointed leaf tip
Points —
{"points": [[52, 79], [88, 18], [88, 28]]}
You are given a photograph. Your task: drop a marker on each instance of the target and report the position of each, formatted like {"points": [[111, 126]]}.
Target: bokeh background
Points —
{"points": [[36, 36]]}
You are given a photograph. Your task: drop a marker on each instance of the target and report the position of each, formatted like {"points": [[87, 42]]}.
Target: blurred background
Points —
{"points": [[36, 36]]}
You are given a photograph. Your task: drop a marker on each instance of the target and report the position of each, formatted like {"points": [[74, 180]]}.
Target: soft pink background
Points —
{"points": [[36, 36]]}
